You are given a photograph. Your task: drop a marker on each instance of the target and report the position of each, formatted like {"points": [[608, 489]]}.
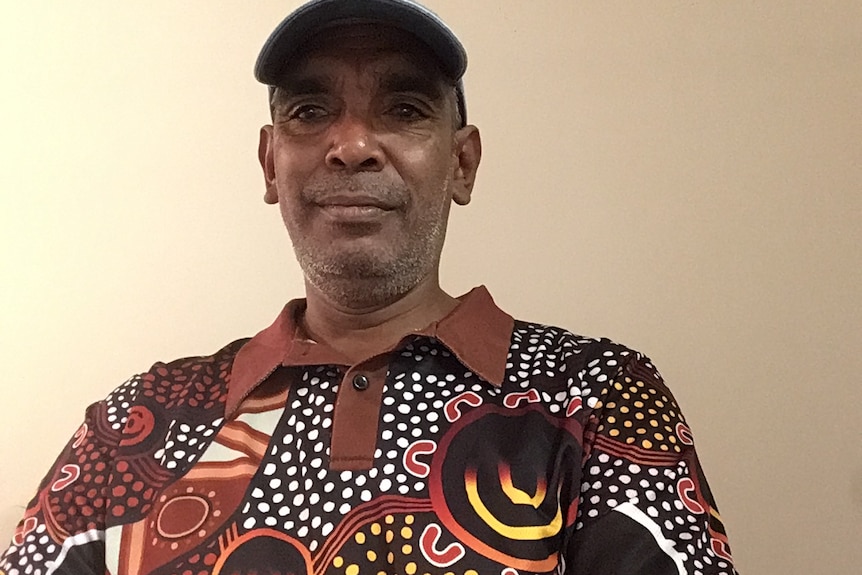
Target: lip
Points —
{"points": [[354, 209], [351, 201]]}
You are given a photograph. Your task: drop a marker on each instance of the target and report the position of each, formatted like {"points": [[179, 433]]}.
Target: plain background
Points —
{"points": [[681, 176]]}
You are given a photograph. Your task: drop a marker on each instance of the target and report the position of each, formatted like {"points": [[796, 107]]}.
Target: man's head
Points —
{"points": [[367, 149]]}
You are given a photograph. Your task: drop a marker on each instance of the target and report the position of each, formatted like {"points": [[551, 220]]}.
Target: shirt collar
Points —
{"points": [[477, 332]]}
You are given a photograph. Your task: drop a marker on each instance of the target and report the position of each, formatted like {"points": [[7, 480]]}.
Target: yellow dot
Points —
{"points": [[639, 404], [598, 405], [372, 556], [626, 396], [645, 396], [360, 537], [671, 412], [406, 549], [653, 422], [352, 569], [612, 419], [647, 443], [618, 386], [406, 532], [390, 557], [624, 409], [663, 447], [671, 438], [639, 415], [338, 562], [375, 528], [614, 432], [659, 436], [409, 520], [389, 520], [601, 427], [627, 423], [630, 440], [628, 379], [389, 536], [665, 417], [633, 389], [611, 405], [640, 431], [470, 572], [410, 568]]}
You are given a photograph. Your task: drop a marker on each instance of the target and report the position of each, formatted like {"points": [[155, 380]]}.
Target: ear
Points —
{"points": [[468, 146], [265, 154]]}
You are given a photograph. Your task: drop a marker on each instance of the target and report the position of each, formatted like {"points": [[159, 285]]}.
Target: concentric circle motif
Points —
{"points": [[268, 550], [143, 427], [504, 482]]}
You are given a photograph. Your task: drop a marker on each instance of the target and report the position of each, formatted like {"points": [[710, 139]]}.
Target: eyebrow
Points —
{"points": [[304, 85], [426, 84], [307, 84]]}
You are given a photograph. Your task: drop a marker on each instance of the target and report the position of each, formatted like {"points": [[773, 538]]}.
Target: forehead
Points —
{"points": [[363, 45]]}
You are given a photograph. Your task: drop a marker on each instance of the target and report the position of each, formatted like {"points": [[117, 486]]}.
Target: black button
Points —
{"points": [[360, 382]]}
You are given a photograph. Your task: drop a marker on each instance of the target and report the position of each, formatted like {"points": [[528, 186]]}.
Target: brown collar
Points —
{"points": [[477, 332]]}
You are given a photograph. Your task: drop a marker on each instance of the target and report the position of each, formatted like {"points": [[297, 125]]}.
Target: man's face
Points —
{"points": [[364, 159]]}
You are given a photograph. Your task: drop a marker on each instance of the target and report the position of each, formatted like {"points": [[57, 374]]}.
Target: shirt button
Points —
{"points": [[360, 382]]}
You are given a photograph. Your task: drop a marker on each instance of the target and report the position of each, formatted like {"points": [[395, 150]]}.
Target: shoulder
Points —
{"points": [[196, 384], [590, 366]]}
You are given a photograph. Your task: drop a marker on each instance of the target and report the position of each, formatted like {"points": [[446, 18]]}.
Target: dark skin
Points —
{"points": [[364, 158]]}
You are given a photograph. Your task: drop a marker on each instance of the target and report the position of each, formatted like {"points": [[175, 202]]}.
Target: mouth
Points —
{"points": [[355, 208], [356, 201]]}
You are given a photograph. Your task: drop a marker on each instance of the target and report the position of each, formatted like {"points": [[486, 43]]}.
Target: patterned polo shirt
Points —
{"points": [[479, 445]]}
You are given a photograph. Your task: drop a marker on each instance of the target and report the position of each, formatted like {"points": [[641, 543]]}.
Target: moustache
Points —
{"points": [[383, 191]]}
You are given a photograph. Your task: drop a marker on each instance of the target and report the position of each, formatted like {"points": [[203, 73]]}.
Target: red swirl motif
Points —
{"points": [[684, 434], [80, 436], [574, 406], [428, 543], [515, 399], [70, 474], [413, 465], [688, 495], [452, 409], [720, 547]]}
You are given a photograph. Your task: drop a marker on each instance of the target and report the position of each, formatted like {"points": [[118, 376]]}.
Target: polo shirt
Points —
{"points": [[477, 445]]}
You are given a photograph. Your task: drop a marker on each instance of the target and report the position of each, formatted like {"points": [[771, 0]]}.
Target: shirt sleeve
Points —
{"points": [[645, 506], [63, 528]]}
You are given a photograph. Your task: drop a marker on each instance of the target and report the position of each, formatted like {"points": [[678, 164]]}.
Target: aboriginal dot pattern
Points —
{"points": [[636, 450]]}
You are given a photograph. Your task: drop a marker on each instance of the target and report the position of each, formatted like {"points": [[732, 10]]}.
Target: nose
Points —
{"points": [[354, 147]]}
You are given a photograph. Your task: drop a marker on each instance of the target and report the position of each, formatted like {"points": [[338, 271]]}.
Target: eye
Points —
{"points": [[307, 113], [407, 111]]}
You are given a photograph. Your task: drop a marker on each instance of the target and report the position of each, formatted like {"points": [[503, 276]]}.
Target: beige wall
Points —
{"points": [[685, 177]]}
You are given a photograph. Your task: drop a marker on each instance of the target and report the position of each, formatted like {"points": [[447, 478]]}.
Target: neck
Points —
{"points": [[359, 333]]}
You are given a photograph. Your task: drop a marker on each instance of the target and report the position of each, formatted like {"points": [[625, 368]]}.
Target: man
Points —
{"points": [[379, 425]]}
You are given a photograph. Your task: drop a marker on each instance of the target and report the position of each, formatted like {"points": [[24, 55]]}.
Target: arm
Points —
{"points": [[63, 528], [645, 506]]}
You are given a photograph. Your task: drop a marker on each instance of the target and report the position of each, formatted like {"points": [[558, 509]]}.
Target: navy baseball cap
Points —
{"points": [[301, 24]]}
